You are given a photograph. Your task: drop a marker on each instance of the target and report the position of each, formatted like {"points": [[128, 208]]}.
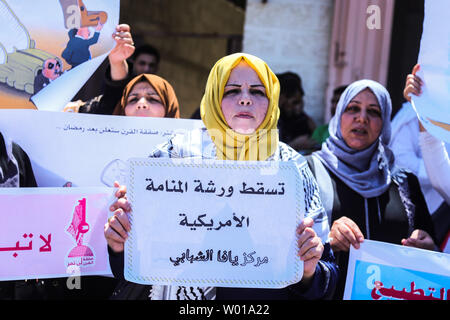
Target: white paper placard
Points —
{"points": [[434, 58], [86, 149], [214, 223]]}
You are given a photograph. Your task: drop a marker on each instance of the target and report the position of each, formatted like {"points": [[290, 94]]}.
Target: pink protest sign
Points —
{"points": [[53, 232]]}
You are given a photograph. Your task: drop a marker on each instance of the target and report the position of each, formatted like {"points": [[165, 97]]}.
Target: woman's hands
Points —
{"points": [[117, 228], [310, 248], [419, 239], [122, 51], [345, 232], [413, 84]]}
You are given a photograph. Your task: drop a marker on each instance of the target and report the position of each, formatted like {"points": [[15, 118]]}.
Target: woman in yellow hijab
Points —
{"points": [[240, 113], [247, 82]]}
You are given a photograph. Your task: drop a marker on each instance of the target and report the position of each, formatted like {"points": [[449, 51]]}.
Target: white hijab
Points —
{"points": [[368, 171]]}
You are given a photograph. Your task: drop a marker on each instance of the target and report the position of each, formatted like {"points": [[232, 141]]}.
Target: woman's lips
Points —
{"points": [[244, 115], [359, 131]]}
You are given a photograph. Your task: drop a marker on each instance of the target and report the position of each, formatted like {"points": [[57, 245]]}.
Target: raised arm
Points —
{"points": [[122, 51], [434, 154]]}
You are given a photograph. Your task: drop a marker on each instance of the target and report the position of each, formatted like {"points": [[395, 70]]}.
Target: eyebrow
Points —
{"points": [[238, 85], [372, 104], [147, 93]]}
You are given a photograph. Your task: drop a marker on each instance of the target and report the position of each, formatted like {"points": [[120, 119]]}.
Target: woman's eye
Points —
{"points": [[258, 92], [230, 92], [375, 112], [352, 109], [153, 100]]}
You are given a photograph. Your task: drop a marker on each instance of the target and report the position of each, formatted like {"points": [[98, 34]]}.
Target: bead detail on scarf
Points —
{"points": [[400, 179]]}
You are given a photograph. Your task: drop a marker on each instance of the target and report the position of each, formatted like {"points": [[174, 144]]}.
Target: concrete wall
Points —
{"points": [[185, 60], [293, 35]]}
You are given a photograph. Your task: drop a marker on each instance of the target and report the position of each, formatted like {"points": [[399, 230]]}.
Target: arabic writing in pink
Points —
{"points": [[380, 291], [45, 248]]}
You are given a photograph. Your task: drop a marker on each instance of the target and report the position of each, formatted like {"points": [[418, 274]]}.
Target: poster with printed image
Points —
{"points": [[384, 271], [50, 48]]}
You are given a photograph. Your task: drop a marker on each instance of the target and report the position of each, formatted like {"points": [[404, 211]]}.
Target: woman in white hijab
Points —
{"points": [[365, 196]]}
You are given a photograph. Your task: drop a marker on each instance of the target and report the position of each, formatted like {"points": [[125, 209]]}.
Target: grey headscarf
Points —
{"points": [[368, 171]]}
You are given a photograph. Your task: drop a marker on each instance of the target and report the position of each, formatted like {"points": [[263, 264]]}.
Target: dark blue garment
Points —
{"points": [[77, 50]]}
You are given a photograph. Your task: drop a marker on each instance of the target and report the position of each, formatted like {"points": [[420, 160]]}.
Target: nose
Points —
{"points": [[245, 100], [362, 116], [142, 104], [146, 68], [149, 68]]}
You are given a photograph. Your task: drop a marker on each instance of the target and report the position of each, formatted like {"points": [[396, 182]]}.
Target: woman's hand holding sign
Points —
{"points": [[117, 228]]}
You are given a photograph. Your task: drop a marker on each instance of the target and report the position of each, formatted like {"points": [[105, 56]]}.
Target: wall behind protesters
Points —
{"points": [[293, 35], [182, 31]]}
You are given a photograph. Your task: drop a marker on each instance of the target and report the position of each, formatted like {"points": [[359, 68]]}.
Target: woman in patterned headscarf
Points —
{"points": [[16, 172], [15, 166], [364, 194], [240, 112]]}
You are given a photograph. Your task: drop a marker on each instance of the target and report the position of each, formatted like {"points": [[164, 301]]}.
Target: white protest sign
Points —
{"points": [[433, 107], [380, 271], [85, 149], [214, 223]]}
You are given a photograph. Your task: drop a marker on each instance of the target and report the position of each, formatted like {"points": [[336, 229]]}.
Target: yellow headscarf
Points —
{"points": [[231, 145]]}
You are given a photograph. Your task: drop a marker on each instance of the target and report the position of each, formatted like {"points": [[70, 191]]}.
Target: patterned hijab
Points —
{"points": [[231, 145], [162, 88], [368, 171], [9, 169]]}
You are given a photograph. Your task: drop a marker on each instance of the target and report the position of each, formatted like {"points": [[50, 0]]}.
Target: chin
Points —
{"points": [[244, 126], [245, 130], [359, 146]]}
